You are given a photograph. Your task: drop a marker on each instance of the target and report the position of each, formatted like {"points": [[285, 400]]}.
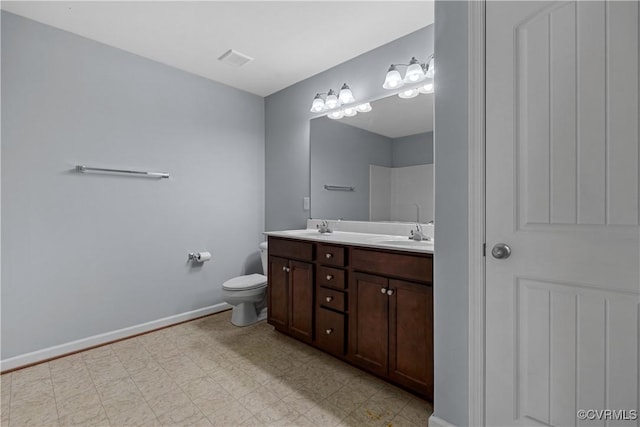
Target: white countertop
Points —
{"points": [[378, 241]]}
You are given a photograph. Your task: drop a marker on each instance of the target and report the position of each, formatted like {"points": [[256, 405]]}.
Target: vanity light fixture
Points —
{"points": [[416, 72], [332, 100], [336, 105]]}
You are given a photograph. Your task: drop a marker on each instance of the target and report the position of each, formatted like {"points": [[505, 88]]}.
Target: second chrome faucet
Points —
{"points": [[323, 227]]}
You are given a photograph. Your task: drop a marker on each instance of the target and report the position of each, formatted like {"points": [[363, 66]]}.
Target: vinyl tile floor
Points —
{"points": [[202, 373]]}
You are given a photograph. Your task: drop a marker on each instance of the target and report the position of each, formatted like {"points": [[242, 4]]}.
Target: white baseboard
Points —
{"points": [[95, 340], [438, 422]]}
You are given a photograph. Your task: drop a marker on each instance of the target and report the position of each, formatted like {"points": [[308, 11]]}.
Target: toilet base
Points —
{"points": [[244, 314]]}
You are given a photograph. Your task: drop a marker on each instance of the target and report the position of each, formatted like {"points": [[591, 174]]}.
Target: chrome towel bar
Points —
{"points": [[83, 169], [338, 188]]}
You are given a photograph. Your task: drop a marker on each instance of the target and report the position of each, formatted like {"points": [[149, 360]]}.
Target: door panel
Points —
{"points": [[411, 335], [368, 322], [301, 299], [278, 290], [562, 190]]}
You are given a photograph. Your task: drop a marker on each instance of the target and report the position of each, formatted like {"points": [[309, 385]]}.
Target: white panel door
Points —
{"points": [[562, 312]]}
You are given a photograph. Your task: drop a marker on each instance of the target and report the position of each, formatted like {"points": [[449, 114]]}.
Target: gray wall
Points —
{"points": [[341, 155], [287, 119], [412, 150], [451, 300], [88, 254]]}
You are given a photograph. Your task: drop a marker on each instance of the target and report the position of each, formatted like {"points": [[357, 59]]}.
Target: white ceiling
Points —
{"points": [[290, 41], [395, 117]]}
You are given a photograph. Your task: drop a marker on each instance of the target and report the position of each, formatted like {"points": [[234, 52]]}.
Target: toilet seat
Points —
{"points": [[245, 283]]}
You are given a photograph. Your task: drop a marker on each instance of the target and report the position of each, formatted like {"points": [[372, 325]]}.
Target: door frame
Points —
{"points": [[475, 216], [476, 209]]}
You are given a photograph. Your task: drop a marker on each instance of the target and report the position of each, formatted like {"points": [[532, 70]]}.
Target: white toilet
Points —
{"points": [[248, 294]]}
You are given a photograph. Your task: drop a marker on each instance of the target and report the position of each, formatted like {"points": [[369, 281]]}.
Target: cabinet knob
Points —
{"points": [[328, 256], [329, 299], [383, 290], [389, 292], [329, 331], [329, 277], [284, 268]]}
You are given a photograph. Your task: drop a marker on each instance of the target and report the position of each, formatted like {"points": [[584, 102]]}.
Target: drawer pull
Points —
{"points": [[328, 256], [329, 276], [329, 331], [383, 290], [329, 299]]}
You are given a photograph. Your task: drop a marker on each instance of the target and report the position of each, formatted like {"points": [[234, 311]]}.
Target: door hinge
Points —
{"points": [[484, 249]]}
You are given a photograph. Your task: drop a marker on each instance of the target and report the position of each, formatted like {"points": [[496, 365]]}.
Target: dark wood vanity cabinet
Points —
{"points": [[391, 317], [291, 288], [370, 307], [390, 330]]}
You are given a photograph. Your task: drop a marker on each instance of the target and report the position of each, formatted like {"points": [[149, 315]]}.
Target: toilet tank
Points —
{"points": [[264, 257]]}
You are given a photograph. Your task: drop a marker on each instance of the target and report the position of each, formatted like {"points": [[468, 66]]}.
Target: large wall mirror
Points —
{"points": [[375, 166]]}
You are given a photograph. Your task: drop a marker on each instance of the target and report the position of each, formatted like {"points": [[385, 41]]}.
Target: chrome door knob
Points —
{"points": [[501, 251]]}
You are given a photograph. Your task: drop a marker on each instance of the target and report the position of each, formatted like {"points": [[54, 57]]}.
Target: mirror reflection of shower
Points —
{"points": [[401, 193]]}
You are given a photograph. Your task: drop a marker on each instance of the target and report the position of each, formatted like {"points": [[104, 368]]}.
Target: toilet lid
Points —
{"points": [[244, 283]]}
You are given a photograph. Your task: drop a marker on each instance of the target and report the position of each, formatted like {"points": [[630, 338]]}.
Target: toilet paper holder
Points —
{"points": [[199, 256]]}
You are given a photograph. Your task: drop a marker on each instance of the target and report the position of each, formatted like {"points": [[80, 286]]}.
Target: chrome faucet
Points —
{"points": [[323, 227], [418, 234]]}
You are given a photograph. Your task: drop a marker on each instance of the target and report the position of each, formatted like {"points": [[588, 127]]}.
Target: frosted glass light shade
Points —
{"points": [[345, 96], [335, 115], [409, 93], [364, 108], [426, 88], [331, 101], [350, 111], [414, 72], [317, 105], [393, 80]]}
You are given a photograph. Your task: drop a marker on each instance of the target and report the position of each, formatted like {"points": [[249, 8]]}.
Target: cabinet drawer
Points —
{"points": [[291, 249], [405, 266], [330, 331], [331, 277], [331, 298], [331, 255]]}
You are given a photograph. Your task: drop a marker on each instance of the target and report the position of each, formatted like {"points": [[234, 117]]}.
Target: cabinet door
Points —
{"points": [[301, 300], [278, 291], [368, 322], [411, 335]]}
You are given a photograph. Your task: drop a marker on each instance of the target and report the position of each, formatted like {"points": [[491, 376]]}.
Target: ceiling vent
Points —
{"points": [[235, 58]]}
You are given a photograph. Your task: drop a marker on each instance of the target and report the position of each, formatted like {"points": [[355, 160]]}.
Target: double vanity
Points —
{"points": [[365, 298]]}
